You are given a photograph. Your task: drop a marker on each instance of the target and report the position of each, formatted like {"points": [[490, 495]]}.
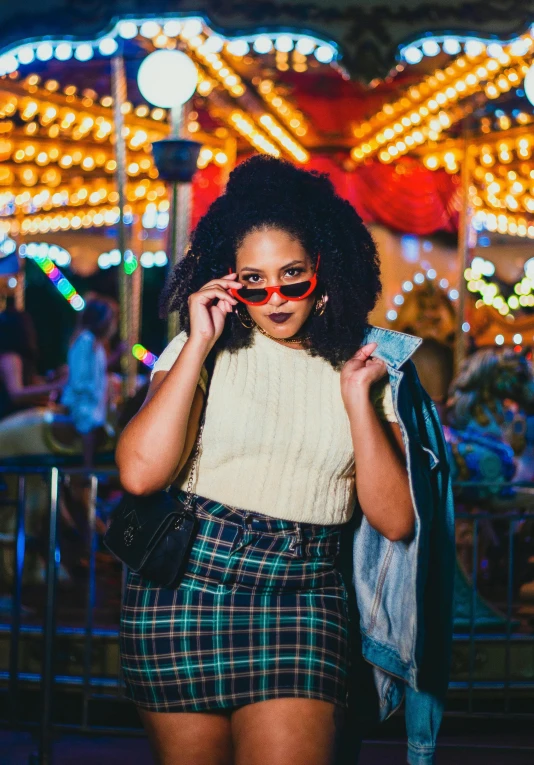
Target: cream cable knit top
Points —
{"points": [[276, 436]]}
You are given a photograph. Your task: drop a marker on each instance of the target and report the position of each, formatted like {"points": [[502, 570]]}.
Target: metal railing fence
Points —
{"points": [[493, 649]]}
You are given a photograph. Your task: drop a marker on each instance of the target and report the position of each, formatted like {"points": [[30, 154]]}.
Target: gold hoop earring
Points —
{"points": [[320, 305], [243, 321]]}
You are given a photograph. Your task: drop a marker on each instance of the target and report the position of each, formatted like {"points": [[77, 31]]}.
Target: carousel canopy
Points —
{"points": [[368, 32], [392, 101], [394, 147]]}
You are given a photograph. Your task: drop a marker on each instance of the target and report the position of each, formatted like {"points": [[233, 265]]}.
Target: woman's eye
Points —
{"points": [[292, 272]]}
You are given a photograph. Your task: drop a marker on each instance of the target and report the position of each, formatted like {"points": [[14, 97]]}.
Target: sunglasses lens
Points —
{"points": [[258, 295], [295, 290], [252, 295]]}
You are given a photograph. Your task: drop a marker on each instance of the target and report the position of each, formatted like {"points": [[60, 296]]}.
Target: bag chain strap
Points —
{"points": [[189, 498]]}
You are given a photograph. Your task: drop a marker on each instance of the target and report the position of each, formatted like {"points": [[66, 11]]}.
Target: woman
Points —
{"points": [[247, 661], [19, 388]]}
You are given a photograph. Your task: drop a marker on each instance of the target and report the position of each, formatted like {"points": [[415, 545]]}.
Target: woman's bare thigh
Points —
{"points": [[287, 731], [183, 738]]}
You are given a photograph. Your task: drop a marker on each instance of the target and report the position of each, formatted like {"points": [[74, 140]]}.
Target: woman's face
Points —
{"points": [[272, 257]]}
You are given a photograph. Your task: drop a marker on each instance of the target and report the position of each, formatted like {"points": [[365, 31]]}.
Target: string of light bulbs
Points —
{"points": [[432, 106]]}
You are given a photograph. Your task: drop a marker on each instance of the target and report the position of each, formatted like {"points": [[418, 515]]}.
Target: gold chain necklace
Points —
{"points": [[283, 339]]}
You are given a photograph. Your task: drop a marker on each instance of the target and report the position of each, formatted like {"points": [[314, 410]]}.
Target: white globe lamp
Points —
{"points": [[529, 84], [167, 78]]}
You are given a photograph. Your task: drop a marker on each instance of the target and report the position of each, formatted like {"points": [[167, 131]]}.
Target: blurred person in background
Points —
{"points": [[86, 391], [20, 387]]}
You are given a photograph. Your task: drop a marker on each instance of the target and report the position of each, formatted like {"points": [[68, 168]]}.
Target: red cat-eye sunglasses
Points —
{"points": [[262, 295]]}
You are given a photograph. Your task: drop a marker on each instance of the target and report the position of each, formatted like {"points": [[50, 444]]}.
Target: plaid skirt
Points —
{"points": [[261, 612]]}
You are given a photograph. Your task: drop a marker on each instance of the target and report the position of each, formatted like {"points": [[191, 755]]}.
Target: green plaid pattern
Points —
{"points": [[261, 612]]}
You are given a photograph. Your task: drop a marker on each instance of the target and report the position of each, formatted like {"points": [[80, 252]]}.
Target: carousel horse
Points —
{"points": [[41, 432], [487, 412], [490, 404], [427, 312]]}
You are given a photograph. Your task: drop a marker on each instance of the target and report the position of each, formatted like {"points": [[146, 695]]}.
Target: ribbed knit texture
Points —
{"points": [[277, 436]]}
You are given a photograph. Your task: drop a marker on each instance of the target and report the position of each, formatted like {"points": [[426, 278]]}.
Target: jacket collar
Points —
{"points": [[394, 348]]}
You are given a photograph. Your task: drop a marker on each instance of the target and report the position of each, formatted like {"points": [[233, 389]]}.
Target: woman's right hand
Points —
{"points": [[206, 319]]}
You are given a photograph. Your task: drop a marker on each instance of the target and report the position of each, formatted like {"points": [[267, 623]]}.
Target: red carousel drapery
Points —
{"points": [[405, 197]]}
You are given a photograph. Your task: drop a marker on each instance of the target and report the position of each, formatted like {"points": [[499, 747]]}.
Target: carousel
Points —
{"points": [[435, 155], [115, 139]]}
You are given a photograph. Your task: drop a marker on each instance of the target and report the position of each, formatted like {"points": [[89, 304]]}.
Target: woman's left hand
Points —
{"points": [[360, 372]]}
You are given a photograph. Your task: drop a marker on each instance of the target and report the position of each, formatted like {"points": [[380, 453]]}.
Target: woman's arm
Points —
{"points": [[381, 476], [11, 373], [153, 446], [382, 483], [156, 442]]}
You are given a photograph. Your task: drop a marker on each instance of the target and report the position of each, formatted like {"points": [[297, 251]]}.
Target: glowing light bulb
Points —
{"points": [[172, 28], [127, 30], [213, 44], [167, 78], [263, 44], [412, 55], [451, 46], [63, 51], [284, 43], [26, 54], [191, 28], [107, 46], [324, 54], [430, 48], [44, 52], [149, 29], [238, 47], [305, 45], [83, 52]]}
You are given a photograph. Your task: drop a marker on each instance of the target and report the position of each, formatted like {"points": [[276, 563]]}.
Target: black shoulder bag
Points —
{"points": [[153, 534]]}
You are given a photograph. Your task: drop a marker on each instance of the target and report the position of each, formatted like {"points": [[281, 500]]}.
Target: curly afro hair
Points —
{"points": [[263, 192]]}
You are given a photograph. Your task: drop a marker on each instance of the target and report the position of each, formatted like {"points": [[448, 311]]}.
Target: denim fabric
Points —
{"points": [[404, 590]]}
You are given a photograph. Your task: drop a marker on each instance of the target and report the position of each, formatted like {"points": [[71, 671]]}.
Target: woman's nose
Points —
{"points": [[277, 300]]}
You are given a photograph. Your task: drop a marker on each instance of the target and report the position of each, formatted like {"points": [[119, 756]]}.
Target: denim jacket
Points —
{"points": [[404, 589]]}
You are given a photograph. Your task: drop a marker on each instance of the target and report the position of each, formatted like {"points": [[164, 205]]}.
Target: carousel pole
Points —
{"points": [[168, 79], [118, 86], [464, 230], [136, 286], [20, 290], [178, 215]]}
